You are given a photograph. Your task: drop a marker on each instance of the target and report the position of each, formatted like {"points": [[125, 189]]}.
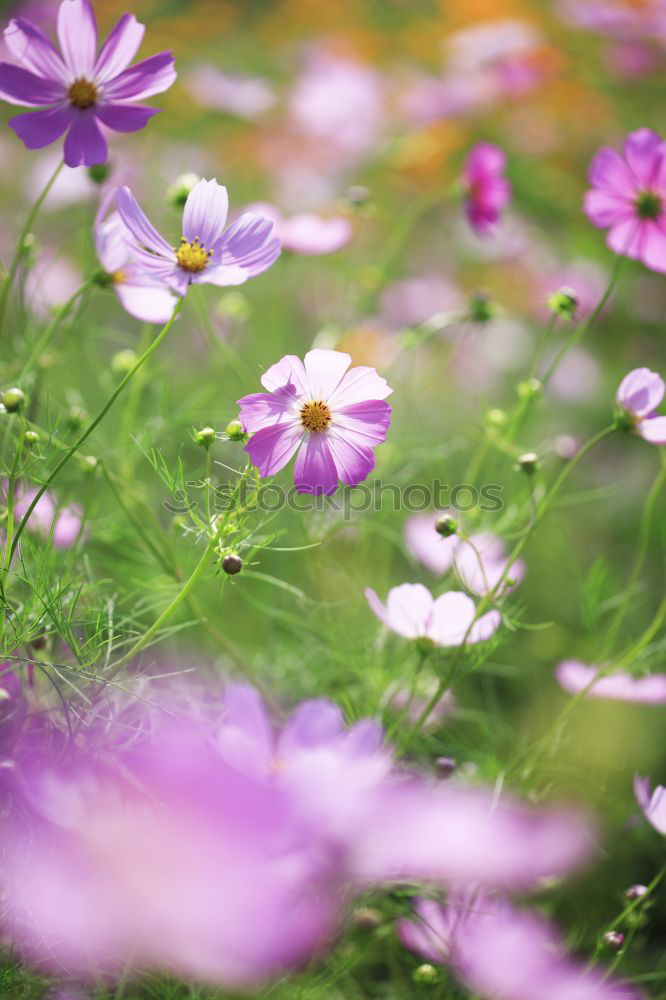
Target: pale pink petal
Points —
{"points": [[310, 234], [644, 151], [315, 470], [288, 371], [119, 49], [146, 78], [353, 459], [653, 251], [324, 371], [141, 229], [640, 392], [606, 208], [271, 448], [427, 545], [653, 429], [205, 213], [410, 607], [358, 384], [366, 422], [147, 303], [377, 607], [576, 677], [77, 34], [625, 238], [224, 276], [451, 618]]}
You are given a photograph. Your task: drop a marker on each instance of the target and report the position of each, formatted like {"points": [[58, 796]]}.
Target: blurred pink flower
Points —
{"points": [[628, 197], [63, 524], [414, 301], [499, 951], [425, 543], [245, 96], [652, 803], [51, 282], [620, 19], [576, 677], [640, 392], [577, 377], [487, 191], [412, 612], [332, 417], [307, 233]]}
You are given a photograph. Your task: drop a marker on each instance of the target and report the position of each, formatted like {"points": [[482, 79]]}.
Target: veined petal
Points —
{"points": [[37, 129], [271, 448], [147, 303], [265, 409], [359, 384], [644, 150], [640, 392], [119, 48], [653, 429], [367, 422], [85, 143], [288, 371], [624, 238], [653, 250], [354, 460], [315, 470], [609, 172], [20, 86], [77, 34], [249, 243], [33, 50], [141, 229], [205, 213], [324, 371], [125, 117], [150, 76]]}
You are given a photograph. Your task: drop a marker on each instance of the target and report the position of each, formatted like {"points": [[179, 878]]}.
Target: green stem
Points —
{"points": [[98, 419], [51, 329], [18, 253]]}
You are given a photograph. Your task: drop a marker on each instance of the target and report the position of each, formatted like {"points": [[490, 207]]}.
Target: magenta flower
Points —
{"points": [[652, 803], [576, 677], [208, 254], [412, 612], [80, 89], [334, 418], [628, 198], [503, 952], [640, 392], [487, 191], [140, 295]]}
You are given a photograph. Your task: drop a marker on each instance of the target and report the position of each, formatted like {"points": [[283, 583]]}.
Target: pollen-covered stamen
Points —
{"points": [[649, 205], [315, 416], [192, 256], [82, 93], [118, 278]]}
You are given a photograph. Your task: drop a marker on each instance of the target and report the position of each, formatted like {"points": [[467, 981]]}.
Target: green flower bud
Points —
{"points": [[496, 418], [481, 308], [426, 973], [528, 463], [31, 437], [445, 525], [179, 191], [232, 564], [529, 388], [563, 302], [90, 464], [76, 418], [205, 436], [123, 361], [99, 172], [235, 431], [13, 399]]}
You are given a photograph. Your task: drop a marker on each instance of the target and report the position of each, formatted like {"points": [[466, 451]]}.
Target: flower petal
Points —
{"points": [[644, 152], [353, 459], [324, 371], [609, 172], [205, 213], [85, 143], [141, 229], [271, 448], [119, 48], [148, 303], [288, 371], [37, 129], [33, 50], [366, 422], [77, 34], [315, 470], [576, 678], [248, 243], [409, 609], [606, 208], [150, 76], [263, 409], [640, 392], [359, 384], [125, 117], [223, 276], [653, 249], [452, 616], [20, 86], [653, 429]]}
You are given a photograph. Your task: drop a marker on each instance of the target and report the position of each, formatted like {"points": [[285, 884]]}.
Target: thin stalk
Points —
{"points": [[52, 328]]}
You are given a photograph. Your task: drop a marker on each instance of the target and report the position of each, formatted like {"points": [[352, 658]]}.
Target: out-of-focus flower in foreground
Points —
{"points": [[640, 392], [628, 197], [576, 677], [79, 89], [652, 803], [208, 253], [503, 952], [333, 418], [412, 612], [487, 191]]}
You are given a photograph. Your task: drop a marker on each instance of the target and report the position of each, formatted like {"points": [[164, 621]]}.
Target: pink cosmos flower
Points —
{"points": [[653, 804], [412, 612], [245, 96], [140, 295], [307, 233], [80, 89], [332, 417], [628, 198], [62, 524], [503, 952], [487, 191], [640, 392], [208, 253], [575, 677]]}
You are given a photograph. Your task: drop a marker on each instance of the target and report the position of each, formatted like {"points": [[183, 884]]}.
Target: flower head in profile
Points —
{"points": [[577, 678], [640, 392], [140, 295], [628, 197], [652, 803], [80, 89], [448, 620], [333, 417], [487, 190], [208, 254]]}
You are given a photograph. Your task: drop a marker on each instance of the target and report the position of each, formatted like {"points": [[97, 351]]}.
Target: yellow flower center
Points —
{"points": [[315, 416], [192, 257], [82, 93]]}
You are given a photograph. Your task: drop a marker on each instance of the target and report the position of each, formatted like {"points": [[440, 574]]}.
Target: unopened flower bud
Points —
{"points": [[563, 302], [445, 525], [529, 388], [232, 564], [123, 361], [426, 973], [367, 918], [90, 463], [99, 172], [481, 308], [636, 892], [29, 250], [31, 437], [13, 399], [76, 418], [445, 766], [179, 191], [358, 195], [528, 463], [614, 939], [496, 417], [235, 430], [205, 436]]}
